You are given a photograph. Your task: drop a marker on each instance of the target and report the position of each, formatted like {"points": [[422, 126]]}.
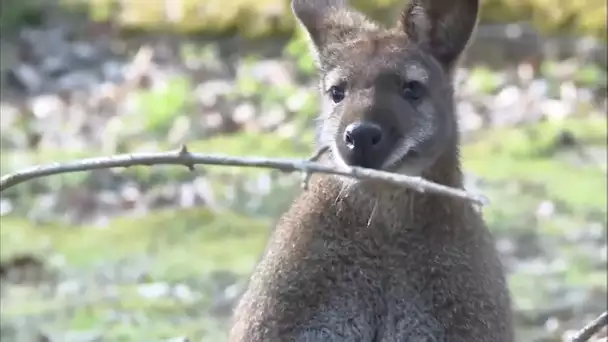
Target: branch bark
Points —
{"points": [[188, 159], [592, 328]]}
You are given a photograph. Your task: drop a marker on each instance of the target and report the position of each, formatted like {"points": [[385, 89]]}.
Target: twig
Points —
{"points": [[590, 329], [315, 157], [184, 157]]}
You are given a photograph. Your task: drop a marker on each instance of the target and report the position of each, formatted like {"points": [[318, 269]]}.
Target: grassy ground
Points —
{"points": [[145, 258]]}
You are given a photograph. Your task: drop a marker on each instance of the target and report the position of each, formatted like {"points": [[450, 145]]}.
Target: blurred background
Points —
{"points": [[155, 253]]}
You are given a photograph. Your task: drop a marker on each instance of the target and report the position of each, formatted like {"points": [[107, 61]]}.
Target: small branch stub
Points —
{"points": [[185, 154], [315, 157]]}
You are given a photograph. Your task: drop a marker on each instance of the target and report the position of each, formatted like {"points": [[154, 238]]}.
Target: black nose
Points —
{"points": [[364, 145], [363, 136]]}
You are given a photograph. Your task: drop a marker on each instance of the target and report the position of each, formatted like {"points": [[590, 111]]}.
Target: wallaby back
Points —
{"points": [[366, 261]]}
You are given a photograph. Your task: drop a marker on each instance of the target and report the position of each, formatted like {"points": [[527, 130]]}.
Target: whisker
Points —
{"points": [[369, 222], [344, 187]]}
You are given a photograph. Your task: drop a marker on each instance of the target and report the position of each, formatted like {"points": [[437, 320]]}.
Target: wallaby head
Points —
{"points": [[387, 93]]}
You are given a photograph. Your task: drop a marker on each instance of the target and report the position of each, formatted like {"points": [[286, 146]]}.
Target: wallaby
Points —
{"points": [[367, 261]]}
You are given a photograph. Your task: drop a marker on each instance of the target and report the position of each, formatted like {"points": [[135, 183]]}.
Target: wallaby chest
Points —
{"points": [[356, 273]]}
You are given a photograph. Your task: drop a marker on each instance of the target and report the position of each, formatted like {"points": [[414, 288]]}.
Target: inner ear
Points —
{"points": [[329, 21], [313, 15], [442, 27]]}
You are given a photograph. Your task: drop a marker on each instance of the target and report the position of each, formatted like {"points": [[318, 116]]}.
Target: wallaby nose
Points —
{"points": [[363, 136]]}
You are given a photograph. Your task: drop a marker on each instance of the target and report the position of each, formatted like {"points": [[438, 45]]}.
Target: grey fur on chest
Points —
{"points": [[388, 320]]}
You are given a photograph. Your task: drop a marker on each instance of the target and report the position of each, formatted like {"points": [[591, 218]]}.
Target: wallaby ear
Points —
{"points": [[329, 21], [443, 27]]}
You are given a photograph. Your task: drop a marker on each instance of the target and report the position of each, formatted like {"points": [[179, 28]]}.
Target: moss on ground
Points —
{"points": [[541, 139], [263, 17], [185, 245], [537, 156], [202, 235], [258, 18]]}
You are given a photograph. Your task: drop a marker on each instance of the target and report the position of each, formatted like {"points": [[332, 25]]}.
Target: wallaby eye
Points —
{"points": [[337, 93], [412, 90]]}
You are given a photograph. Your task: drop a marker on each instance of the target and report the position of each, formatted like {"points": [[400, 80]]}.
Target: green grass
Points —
{"points": [[180, 245], [539, 139], [532, 155], [521, 168], [205, 240]]}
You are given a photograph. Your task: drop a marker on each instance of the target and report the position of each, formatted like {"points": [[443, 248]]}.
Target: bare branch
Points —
{"points": [[184, 157], [592, 328]]}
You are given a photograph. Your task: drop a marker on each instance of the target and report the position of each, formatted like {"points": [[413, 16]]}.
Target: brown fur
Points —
{"points": [[365, 261]]}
